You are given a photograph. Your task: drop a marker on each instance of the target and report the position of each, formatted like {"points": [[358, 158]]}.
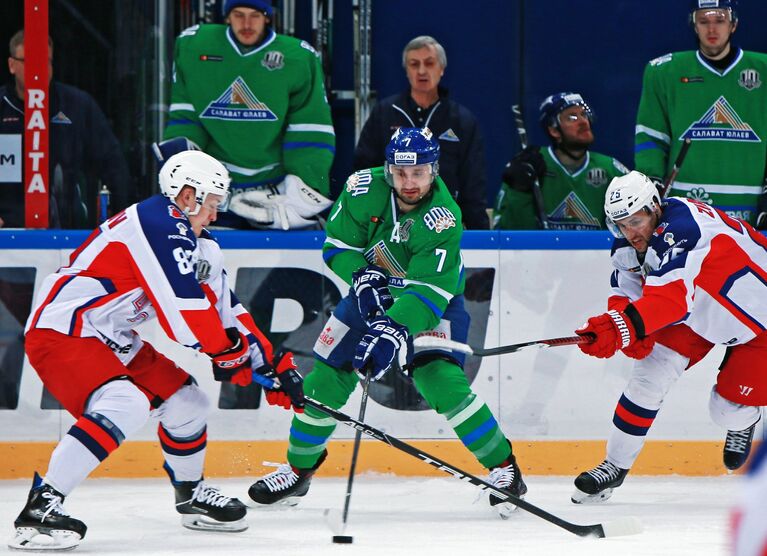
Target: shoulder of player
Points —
{"points": [[366, 190], [441, 219], [669, 60], [751, 57], [202, 34], [624, 256], [291, 46], [678, 227], [160, 218]]}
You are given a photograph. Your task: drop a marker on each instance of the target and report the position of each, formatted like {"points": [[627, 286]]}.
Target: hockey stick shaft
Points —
{"points": [[537, 194], [677, 166], [356, 449], [433, 342], [596, 530]]}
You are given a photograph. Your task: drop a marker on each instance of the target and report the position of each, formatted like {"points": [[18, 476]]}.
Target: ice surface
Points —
{"points": [[401, 516]]}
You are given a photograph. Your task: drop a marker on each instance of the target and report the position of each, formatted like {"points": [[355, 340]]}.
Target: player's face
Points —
{"points": [[16, 67], [638, 228], [714, 30], [248, 25], [575, 127], [423, 69], [411, 183], [207, 214]]}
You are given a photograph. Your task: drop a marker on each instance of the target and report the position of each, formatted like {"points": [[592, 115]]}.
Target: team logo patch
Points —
{"points": [[182, 228], [661, 60], [273, 60], [572, 208], [175, 212], [449, 135], [404, 231], [699, 194], [380, 255], [202, 270], [211, 58], [694, 79], [60, 118], [358, 182], [439, 219], [597, 177], [721, 123], [238, 104], [749, 79], [310, 48], [669, 238]]}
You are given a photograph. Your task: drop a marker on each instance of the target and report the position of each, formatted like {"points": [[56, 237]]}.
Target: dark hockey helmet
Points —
{"points": [[412, 146], [264, 6], [553, 105], [730, 6]]}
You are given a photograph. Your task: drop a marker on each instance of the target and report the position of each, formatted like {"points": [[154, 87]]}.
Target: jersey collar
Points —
{"points": [[712, 69], [236, 45]]}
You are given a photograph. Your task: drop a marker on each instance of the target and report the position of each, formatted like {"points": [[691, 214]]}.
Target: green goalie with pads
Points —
{"points": [[394, 236], [261, 109]]}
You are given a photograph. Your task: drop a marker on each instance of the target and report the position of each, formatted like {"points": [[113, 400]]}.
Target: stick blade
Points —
{"points": [[622, 527]]}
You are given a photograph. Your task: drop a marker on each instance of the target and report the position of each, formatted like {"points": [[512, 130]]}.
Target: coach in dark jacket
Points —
{"points": [[462, 154], [82, 149]]}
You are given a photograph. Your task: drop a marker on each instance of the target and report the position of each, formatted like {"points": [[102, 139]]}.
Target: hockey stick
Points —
{"points": [[623, 526], [434, 342], [677, 166], [537, 195]]}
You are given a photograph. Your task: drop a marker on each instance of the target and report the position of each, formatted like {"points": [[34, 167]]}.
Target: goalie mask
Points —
{"points": [[627, 195], [411, 146], [197, 170]]}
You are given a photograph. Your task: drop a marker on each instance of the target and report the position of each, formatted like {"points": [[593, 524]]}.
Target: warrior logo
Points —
{"points": [[596, 177], [237, 104], [749, 79], [439, 219], [721, 123], [273, 60]]}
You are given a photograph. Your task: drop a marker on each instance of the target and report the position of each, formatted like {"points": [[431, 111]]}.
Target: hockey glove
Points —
{"points": [[289, 389], [641, 348], [611, 331], [761, 221], [384, 340], [527, 166], [233, 364], [371, 286]]}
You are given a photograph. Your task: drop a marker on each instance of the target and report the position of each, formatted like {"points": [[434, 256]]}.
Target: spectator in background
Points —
{"points": [[714, 96], [573, 180], [83, 149], [256, 101], [426, 104]]}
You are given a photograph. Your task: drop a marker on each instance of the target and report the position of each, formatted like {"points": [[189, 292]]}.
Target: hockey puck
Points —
{"points": [[343, 539]]}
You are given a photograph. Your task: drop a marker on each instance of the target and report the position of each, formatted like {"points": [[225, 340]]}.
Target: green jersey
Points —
{"points": [[571, 200], [263, 113], [724, 114], [420, 250]]}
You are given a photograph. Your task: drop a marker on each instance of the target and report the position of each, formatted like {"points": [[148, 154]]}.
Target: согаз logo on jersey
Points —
{"points": [[238, 103]]}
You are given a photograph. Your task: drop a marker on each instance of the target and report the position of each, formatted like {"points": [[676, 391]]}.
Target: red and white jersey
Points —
{"points": [[707, 270], [145, 263]]}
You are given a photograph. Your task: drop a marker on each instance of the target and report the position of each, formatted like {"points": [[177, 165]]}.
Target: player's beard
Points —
{"points": [[418, 201]]}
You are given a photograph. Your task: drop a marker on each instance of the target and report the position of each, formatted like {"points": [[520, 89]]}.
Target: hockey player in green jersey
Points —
{"points": [[394, 236], [714, 96], [573, 179], [256, 101]]}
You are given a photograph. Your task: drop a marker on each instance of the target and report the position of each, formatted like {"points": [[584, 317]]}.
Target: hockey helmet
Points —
{"points": [[263, 6], [198, 170], [412, 146], [627, 195], [553, 105], [730, 6]]}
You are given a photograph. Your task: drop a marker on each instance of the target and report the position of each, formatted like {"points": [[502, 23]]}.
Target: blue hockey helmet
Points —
{"points": [[412, 146], [264, 6], [554, 104], [730, 6]]}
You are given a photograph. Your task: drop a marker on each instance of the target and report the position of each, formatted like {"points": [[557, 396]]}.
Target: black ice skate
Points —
{"points": [[507, 476], [597, 485], [203, 507], [737, 446], [44, 524], [285, 486]]}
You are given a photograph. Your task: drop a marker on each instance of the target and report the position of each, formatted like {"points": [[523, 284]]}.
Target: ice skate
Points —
{"points": [[509, 477], [44, 524], [283, 487], [597, 485], [737, 446], [204, 508]]}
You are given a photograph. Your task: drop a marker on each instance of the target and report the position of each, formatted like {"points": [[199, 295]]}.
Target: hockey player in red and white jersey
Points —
{"points": [[687, 277], [153, 260]]}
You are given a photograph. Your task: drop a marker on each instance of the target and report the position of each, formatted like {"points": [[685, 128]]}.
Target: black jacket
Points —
{"points": [[82, 149], [462, 153]]}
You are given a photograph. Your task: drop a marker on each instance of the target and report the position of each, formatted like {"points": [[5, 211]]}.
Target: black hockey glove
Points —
{"points": [[371, 286], [527, 166], [291, 384]]}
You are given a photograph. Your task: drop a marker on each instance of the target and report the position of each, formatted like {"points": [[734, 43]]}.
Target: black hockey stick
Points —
{"points": [[537, 194], [434, 342], [677, 166]]}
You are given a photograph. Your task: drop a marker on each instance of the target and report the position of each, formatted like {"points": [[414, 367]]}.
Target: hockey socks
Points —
{"points": [[184, 457]]}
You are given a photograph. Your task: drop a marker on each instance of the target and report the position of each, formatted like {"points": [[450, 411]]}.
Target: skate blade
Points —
{"points": [[49, 540], [202, 523], [580, 497], [284, 504], [505, 510]]}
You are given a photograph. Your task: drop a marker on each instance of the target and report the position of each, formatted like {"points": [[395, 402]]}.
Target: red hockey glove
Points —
{"points": [[612, 331], [641, 348], [291, 388], [233, 364]]}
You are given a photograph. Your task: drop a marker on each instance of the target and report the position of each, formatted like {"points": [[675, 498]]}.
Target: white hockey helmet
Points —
{"points": [[627, 195], [198, 170]]}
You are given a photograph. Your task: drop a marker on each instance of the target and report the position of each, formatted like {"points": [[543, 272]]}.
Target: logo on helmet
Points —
{"points": [[405, 158]]}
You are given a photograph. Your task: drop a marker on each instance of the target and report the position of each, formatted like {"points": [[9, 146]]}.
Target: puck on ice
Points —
{"points": [[343, 539]]}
